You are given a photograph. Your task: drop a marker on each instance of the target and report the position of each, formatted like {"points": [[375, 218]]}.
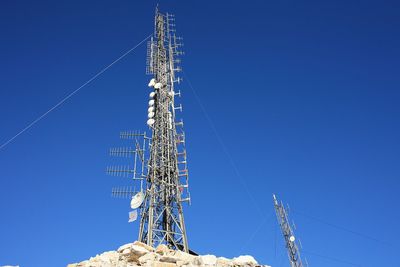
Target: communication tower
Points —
{"points": [[159, 171], [292, 244]]}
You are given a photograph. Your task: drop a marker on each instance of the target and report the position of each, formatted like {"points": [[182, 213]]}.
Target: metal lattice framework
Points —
{"points": [[288, 234], [160, 160]]}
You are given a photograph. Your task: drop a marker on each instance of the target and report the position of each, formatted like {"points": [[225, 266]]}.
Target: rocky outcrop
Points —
{"points": [[139, 254]]}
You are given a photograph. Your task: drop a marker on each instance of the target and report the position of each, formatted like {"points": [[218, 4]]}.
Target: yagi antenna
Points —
{"points": [[123, 192], [124, 171], [123, 152], [132, 134]]}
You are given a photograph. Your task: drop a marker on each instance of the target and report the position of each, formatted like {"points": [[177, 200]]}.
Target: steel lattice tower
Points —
{"points": [[160, 160], [162, 216], [288, 234]]}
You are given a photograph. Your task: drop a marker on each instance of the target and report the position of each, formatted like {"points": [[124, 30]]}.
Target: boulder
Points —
{"points": [[224, 262], [163, 249], [183, 255], [245, 260], [123, 247], [169, 258], [149, 257], [126, 252], [209, 260], [109, 257], [138, 250], [197, 261], [132, 254], [143, 245]]}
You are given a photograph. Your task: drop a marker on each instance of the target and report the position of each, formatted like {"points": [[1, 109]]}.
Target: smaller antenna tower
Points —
{"points": [[292, 245]]}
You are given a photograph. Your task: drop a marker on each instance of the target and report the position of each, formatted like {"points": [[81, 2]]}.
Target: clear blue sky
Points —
{"points": [[303, 94]]}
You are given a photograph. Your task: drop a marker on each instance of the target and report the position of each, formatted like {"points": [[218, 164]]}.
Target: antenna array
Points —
{"points": [[137, 156]]}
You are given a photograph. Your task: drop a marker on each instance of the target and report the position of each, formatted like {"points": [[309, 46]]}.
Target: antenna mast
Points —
{"points": [[162, 215], [288, 234], [163, 166]]}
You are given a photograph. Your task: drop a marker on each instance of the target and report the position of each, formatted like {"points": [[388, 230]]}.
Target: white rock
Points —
{"points": [[197, 261], [163, 249], [209, 259], [224, 262], [183, 256], [109, 256], [126, 251], [149, 257], [140, 244], [169, 258], [138, 250], [121, 248], [243, 260]]}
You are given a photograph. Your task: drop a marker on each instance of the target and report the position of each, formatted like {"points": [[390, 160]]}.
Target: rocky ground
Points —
{"points": [[139, 254]]}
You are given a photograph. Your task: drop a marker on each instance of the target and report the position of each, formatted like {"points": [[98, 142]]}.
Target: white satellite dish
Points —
{"points": [[150, 122], [151, 102], [152, 82], [151, 109], [152, 94], [137, 200], [292, 239], [151, 115], [158, 85]]}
